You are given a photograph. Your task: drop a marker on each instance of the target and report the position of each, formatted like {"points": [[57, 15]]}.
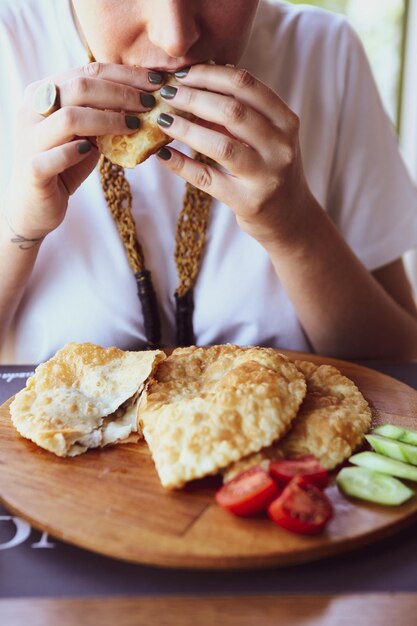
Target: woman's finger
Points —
{"points": [[71, 121], [209, 179], [47, 165], [132, 75], [100, 94], [238, 118], [129, 75], [75, 175], [235, 156], [240, 84]]}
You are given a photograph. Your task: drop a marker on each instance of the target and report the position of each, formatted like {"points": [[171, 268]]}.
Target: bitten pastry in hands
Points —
{"points": [[130, 150]]}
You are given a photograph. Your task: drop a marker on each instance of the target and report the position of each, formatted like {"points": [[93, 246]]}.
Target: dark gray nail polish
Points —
{"points": [[182, 73], [84, 146], [147, 100], [164, 154], [168, 92], [132, 121], [165, 120], [155, 78]]}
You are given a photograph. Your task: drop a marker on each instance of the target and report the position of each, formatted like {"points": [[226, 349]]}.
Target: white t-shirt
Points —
{"points": [[82, 288]]}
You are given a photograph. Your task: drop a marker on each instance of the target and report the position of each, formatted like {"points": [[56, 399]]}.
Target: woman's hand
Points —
{"points": [[55, 154], [246, 128]]}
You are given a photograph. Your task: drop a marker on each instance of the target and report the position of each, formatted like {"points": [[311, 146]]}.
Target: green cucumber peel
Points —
{"points": [[397, 432], [366, 484], [394, 449], [385, 465]]}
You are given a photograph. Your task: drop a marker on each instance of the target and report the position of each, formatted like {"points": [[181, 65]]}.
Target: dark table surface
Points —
{"points": [[34, 564]]}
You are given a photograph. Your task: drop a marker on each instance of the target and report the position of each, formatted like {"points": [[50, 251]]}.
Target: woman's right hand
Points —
{"points": [[55, 154]]}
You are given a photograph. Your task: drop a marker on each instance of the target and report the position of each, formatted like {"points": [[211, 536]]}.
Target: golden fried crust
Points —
{"points": [[332, 420], [130, 150], [330, 424], [210, 406], [83, 397]]}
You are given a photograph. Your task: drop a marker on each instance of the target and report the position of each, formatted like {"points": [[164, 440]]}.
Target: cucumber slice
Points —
{"points": [[367, 484], [383, 464], [394, 449], [396, 432]]}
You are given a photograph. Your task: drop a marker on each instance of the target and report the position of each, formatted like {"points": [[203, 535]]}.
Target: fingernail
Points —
{"points": [[155, 78], [168, 92], [147, 100], [132, 121], [182, 73], [165, 120], [84, 146], [164, 154]]}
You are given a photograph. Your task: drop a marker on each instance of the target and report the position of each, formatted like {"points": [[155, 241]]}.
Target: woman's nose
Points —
{"points": [[175, 30]]}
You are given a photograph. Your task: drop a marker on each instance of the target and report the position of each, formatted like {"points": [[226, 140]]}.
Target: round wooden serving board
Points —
{"points": [[111, 501]]}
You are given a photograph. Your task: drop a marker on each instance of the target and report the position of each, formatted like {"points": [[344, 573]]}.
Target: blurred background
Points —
{"points": [[388, 30]]}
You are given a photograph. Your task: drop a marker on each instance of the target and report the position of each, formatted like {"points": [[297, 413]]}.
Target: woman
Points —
{"points": [[312, 207]]}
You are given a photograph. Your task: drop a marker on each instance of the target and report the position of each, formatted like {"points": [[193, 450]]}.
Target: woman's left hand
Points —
{"points": [[245, 127]]}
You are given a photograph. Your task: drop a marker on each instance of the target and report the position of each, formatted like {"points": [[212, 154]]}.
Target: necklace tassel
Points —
{"points": [[150, 312], [184, 318]]}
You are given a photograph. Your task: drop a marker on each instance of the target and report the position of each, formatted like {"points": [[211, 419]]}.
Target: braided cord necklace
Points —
{"points": [[190, 239]]}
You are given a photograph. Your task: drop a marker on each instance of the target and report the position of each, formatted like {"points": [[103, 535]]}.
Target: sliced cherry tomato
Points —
{"points": [[248, 493], [282, 471], [301, 508]]}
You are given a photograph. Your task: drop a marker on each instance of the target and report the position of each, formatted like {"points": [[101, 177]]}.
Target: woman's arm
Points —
{"points": [[394, 280], [253, 134], [18, 256], [52, 158], [345, 310], [33, 205]]}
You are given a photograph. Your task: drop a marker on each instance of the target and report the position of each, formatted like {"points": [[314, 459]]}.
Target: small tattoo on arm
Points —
{"points": [[25, 244]]}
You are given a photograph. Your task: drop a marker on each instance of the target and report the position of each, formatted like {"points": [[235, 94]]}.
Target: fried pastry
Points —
{"points": [[83, 397], [330, 425], [208, 407], [130, 150]]}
